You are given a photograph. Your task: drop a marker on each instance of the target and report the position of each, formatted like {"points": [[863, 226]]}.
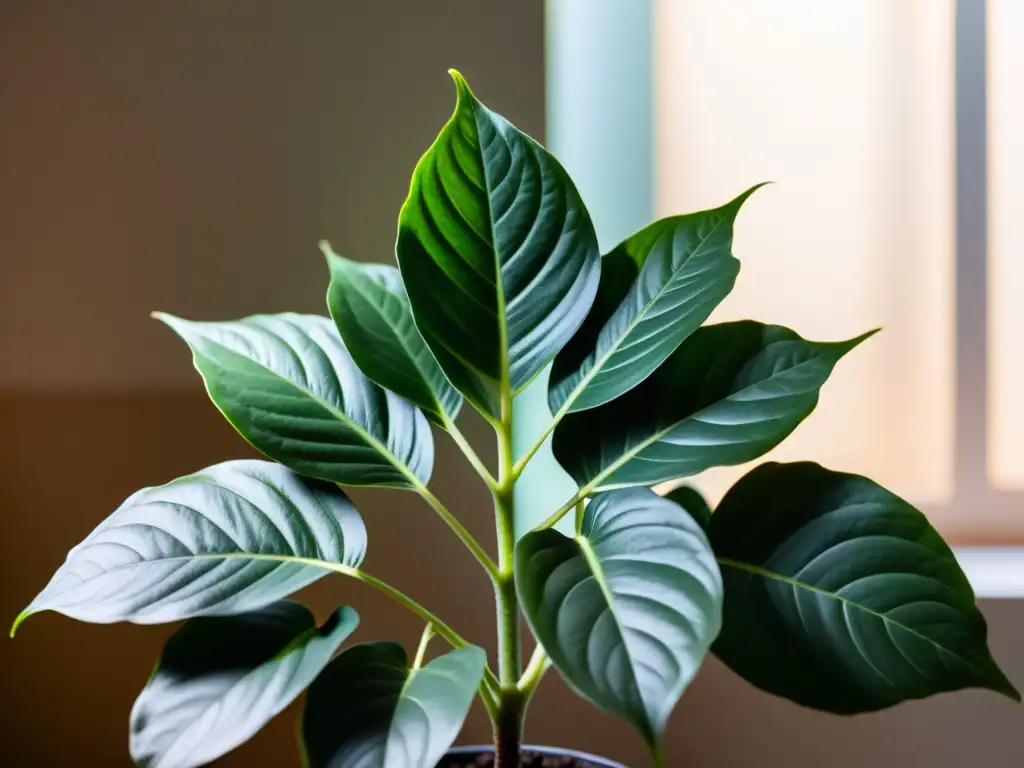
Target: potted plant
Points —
{"points": [[812, 584]]}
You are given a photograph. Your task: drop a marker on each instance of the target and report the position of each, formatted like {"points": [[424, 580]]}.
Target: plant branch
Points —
{"points": [[538, 665], [441, 628], [523, 460], [460, 530], [421, 651], [471, 455], [563, 510]]}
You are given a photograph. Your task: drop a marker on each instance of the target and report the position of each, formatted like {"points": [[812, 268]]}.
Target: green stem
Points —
{"points": [[563, 510], [471, 455], [421, 651], [441, 628], [535, 669], [509, 660], [523, 460], [508, 723], [460, 530]]}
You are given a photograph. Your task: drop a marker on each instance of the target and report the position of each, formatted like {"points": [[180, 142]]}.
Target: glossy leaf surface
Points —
{"points": [[231, 538], [729, 394], [221, 679], [628, 608], [656, 288], [289, 386], [371, 310], [497, 252], [840, 596], [370, 709]]}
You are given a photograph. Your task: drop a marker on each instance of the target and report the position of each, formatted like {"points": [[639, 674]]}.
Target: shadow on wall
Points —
{"points": [[188, 157]]}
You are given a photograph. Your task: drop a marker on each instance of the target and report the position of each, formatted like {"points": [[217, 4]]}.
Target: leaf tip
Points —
{"points": [[167, 319], [1005, 687], [856, 341], [741, 198], [461, 85], [330, 256]]}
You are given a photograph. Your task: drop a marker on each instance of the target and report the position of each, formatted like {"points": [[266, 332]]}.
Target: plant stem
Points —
{"points": [[460, 530], [508, 723], [421, 651], [505, 592], [535, 669], [508, 730]]}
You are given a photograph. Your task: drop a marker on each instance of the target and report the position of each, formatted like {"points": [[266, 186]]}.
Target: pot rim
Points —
{"points": [[485, 748]]}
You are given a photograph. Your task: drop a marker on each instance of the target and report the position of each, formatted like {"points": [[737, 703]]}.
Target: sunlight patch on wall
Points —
{"points": [[1006, 244], [849, 107]]}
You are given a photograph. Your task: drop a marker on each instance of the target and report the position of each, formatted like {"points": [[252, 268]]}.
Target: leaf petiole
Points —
{"points": [[535, 669], [421, 650], [460, 530], [471, 455]]}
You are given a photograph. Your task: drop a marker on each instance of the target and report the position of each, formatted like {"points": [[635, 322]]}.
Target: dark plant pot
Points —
{"points": [[467, 757]]}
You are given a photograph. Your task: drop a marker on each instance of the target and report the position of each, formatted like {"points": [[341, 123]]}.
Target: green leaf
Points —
{"points": [[231, 538], [289, 386], [220, 680], [371, 310], [370, 709], [656, 288], [730, 393], [628, 608], [690, 499], [497, 251], [840, 596]]}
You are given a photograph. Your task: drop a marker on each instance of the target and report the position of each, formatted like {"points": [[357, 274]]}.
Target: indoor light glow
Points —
{"points": [[849, 106], [1006, 244]]}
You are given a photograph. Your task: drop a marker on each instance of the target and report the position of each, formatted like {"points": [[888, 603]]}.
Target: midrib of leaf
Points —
{"points": [[345, 570], [504, 381], [338, 415], [596, 568], [599, 364], [656, 436], [797, 584]]}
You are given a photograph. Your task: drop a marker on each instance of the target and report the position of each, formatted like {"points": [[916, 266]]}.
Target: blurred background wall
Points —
{"points": [[188, 157]]}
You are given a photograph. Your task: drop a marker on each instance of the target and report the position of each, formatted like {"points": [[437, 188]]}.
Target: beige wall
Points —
{"points": [[188, 156]]}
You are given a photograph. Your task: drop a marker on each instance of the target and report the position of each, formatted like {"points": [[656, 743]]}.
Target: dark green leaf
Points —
{"points": [[221, 679], [730, 393], [498, 253], [656, 288], [628, 608], [231, 538], [289, 386], [690, 499], [371, 309], [841, 596], [370, 709]]}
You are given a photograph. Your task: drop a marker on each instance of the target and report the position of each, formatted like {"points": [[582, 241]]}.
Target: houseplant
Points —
{"points": [[812, 584]]}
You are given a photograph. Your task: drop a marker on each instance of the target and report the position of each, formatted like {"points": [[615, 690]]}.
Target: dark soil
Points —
{"points": [[529, 760]]}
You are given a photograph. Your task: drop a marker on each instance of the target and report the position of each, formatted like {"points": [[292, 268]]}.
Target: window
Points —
{"points": [[879, 121]]}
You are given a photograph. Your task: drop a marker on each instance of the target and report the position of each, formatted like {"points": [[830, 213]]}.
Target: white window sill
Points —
{"points": [[993, 571]]}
